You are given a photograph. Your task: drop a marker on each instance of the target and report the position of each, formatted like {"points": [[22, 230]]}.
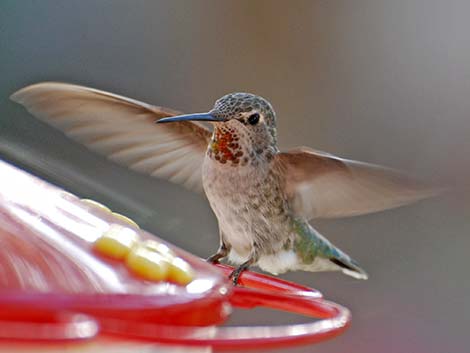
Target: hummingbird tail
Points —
{"points": [[327, 257], [350, 267]]}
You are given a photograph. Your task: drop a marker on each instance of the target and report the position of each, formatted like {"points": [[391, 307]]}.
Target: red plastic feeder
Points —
{"points": [[54, 287]]}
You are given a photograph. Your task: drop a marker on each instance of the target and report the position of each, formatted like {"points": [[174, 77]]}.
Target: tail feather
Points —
{"points": [[327, 256], [350, 268]]}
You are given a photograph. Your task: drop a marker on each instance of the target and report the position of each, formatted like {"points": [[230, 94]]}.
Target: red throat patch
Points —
{"points": [[225, 146]]}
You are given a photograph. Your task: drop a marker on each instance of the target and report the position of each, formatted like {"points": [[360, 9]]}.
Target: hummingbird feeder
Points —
{"points": [[72, 271]]}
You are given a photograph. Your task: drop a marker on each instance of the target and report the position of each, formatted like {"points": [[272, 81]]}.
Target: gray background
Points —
{"points": [[380, 81]]}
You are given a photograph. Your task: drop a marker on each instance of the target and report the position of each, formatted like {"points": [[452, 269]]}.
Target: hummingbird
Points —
{"points": [[264, 199]]}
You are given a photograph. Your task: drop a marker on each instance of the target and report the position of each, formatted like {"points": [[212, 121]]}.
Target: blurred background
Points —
{"points": [[380, 81]]}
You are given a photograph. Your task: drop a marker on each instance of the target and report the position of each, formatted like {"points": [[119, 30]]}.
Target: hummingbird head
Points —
{"points": [[244, 128], [246, 114]]}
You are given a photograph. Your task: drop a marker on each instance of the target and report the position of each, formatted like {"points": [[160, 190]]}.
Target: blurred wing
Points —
{"points": [[122, 129], [324, 186]]}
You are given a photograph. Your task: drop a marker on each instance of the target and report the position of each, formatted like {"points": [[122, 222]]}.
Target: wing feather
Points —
{"points": [[324, 186], [122, 129]]}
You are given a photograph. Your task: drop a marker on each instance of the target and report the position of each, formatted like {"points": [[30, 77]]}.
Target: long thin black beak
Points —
{"points": [[197, 116]]}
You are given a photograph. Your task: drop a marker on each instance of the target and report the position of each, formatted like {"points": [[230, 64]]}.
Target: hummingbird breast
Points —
{"points": [[250, 205]]}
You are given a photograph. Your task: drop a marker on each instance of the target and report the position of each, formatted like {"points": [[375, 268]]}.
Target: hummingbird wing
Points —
{"points": [[321, 185], [122, 129]]}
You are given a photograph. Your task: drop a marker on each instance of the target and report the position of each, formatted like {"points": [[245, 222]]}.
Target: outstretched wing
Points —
{"points": [[122, 129], [324, 186]]}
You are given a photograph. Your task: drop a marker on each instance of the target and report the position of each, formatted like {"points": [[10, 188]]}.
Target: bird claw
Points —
{"points": [[234, 277], [220, 254], [214, 259]]}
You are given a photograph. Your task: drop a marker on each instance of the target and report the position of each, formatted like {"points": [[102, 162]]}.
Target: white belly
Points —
{"points": [[287, 260]]}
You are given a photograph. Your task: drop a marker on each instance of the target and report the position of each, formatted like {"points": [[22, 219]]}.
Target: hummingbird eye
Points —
{"points": [[253, 119]]}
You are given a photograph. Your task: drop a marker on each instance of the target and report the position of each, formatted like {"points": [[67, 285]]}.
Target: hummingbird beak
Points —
{"points": [[193, 117]]}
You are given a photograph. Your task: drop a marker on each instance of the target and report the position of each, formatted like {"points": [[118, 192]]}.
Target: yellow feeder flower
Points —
{"points": [[125, 219], [116, 242], [96, 204], [180, 272], [147, 263]]}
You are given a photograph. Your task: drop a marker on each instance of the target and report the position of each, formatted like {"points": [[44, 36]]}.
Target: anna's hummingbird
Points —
{"points": [[263, 198]]}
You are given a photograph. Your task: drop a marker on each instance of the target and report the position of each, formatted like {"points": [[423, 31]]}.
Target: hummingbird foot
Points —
{"points": [[220, 254], [235, 275], [214, 259]]}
